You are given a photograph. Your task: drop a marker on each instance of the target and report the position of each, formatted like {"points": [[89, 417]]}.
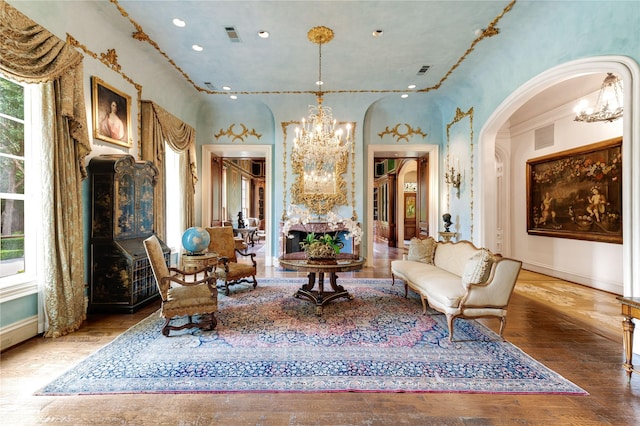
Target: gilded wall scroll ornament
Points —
{"points": [[408, 131], [237, 136]]}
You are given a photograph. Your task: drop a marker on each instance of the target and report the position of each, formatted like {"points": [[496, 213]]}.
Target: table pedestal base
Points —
{"points": [[319, 297]]}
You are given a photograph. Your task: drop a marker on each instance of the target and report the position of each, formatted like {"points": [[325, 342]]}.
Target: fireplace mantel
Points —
{"points": [[298, 232]]}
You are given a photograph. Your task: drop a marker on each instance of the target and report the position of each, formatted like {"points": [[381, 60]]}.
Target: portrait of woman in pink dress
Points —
{"points": [[111, 114], [111, 124]]}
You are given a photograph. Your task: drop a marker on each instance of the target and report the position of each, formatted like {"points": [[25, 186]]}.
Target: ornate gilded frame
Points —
{"points": [[321, 201], [102, 96]]}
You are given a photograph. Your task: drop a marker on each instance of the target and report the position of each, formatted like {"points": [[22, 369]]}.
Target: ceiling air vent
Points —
{"points": [[232, 33], [544, 137], [423, 70], [209, 86]]}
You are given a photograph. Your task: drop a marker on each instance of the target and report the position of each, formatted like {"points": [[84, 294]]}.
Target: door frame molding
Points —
{"points": [[417, 150]]}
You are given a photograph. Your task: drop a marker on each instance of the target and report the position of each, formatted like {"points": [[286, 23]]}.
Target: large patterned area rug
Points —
{"points": [[268, 341]]}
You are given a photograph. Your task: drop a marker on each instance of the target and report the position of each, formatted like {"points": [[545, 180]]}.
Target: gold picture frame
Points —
{"points": [[111, 114], [577, 193]]}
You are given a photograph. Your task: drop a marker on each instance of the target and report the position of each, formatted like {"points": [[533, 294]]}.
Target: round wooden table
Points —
{"points": [[298, 262]]}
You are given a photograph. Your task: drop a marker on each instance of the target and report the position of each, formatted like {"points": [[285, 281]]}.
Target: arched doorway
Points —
{"points": [[629, 71]]}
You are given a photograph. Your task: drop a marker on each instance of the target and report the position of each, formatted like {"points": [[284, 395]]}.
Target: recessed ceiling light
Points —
{"points": [[378, 33], [319, 83], [179, 22], [234, 97], [197, 48], [411, 86], [226, 88], [263, 34], [404, 95]]}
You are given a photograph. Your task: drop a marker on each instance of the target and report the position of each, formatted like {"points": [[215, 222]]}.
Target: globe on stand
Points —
{"points": [[195, 240]]}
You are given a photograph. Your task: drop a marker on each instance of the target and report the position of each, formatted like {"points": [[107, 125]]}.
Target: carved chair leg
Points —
{"points": [[165, 327], [226, 287], [393, 280], [503, 322], [450, 320], [255, 283]]}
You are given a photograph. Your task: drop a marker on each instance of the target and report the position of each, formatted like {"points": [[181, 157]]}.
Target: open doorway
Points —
{"points": [[383, 200], [251, 205]]}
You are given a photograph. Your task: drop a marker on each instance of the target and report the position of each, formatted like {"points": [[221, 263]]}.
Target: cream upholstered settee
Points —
{"points": [[458, 279]]}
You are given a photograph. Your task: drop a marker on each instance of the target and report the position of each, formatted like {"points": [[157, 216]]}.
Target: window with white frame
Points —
{"points": [[19, 183], [173, 208], [245, 197]]}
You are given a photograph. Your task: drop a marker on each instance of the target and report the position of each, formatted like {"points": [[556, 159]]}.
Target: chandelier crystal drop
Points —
{"points": [[608, 106], [319, 141]]}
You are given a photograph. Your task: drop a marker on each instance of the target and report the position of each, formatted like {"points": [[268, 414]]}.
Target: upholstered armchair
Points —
{"points": [[229, 269], [182, 293]]}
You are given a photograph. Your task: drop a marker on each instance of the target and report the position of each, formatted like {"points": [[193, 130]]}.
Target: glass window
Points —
{"points": [[245, 197], [12, 178], [173, 206], [20, 183]]}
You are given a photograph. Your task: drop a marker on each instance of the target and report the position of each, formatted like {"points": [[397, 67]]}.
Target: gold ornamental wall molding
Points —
{"points": [[110, 59], [398, 136], [141, 35], [245, 133]]}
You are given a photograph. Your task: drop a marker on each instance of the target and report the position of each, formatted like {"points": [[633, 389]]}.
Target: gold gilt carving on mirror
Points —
{"points": [[320, 196]]}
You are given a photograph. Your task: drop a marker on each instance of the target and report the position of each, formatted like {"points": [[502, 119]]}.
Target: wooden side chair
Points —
{"points": [[229, 269], [182, 292]]}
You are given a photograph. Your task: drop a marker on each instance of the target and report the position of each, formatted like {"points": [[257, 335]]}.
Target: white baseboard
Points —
{"points": [[611, 287], [18, 332]]}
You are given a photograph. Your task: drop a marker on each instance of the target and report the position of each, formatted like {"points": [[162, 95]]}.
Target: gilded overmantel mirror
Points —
{"points": [[320, 186]]}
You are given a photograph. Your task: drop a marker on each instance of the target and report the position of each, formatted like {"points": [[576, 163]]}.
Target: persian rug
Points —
{"points": [[269, 341]]}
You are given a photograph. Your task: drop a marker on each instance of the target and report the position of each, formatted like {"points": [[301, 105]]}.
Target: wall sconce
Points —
{"points": [[453, 178]]}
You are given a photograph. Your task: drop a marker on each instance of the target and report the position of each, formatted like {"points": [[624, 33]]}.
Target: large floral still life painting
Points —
{"points": [[577, 193]]}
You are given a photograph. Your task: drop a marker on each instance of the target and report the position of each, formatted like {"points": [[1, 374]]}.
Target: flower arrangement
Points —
{"points": [[326, 244]]}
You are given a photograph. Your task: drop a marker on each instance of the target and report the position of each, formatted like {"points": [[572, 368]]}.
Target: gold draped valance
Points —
{"points": [[31, 54]]}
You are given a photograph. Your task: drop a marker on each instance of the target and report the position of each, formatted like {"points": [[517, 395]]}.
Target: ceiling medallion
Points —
{"points": [[320, 35]]}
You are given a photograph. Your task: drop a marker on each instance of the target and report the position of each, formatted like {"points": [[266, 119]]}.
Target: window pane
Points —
{"points": [[11, 99], [11, 175], [12, 237], [11, 137]]}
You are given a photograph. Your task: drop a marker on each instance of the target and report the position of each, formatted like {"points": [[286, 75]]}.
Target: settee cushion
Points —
{"points": [[422, 250], [478, 268], [453, 257]]}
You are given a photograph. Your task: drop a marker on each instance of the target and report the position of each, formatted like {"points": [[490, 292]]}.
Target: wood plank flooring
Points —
{"points": [[572, 329]]}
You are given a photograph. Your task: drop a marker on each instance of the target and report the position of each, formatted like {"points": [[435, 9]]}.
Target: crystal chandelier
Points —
{"points": [[608, 106], [318, 144]]}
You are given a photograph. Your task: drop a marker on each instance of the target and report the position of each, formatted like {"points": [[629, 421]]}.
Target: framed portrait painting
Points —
{"points": [[577, 193], [111, 114]]}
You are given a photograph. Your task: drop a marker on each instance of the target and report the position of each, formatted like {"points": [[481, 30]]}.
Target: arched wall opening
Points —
{"points": [[629, 71]]}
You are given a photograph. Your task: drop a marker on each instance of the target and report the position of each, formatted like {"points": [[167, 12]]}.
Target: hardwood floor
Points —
{"points": [[572, 329]]}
